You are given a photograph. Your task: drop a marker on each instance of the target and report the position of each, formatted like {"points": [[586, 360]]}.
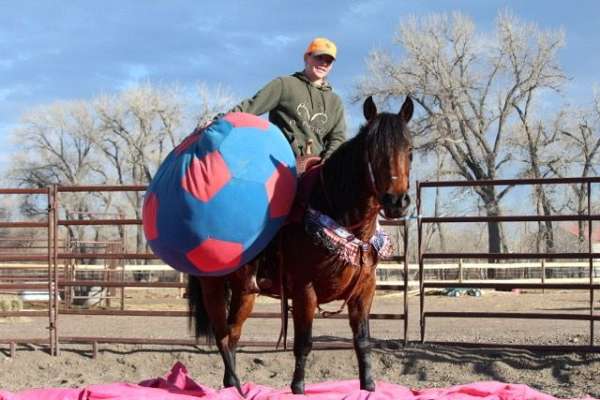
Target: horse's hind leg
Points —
{"points": [[358, 309], [213, 295], [304, 304]]}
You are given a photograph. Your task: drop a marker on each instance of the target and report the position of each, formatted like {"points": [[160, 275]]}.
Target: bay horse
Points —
{"points": [[366, 176]]}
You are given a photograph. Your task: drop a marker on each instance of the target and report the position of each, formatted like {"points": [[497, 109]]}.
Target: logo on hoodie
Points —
{"points": [[311, 121]]}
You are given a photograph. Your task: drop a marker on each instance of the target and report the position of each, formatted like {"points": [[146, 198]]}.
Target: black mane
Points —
{"points": [[346, 173]]}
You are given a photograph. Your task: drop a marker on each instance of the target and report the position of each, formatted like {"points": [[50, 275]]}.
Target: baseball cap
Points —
{"points": [[322, 46]]}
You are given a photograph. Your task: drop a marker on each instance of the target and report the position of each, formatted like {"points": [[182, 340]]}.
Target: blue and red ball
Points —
{"points": [[219, 197]]}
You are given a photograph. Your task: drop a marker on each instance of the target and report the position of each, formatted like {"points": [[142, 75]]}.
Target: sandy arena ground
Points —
{"points": [[417, 365]]}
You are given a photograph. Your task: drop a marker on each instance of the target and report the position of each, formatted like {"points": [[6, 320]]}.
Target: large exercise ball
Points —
{"points": [[219, 197]]}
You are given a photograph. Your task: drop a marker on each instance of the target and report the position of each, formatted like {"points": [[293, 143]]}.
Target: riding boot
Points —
{"points": [[255, 285], [265, 283], [251, 283]]}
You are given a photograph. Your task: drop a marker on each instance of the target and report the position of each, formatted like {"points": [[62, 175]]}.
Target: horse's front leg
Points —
{"points": [[358, 310], [213, 295], [304, 304], [242, 303]]}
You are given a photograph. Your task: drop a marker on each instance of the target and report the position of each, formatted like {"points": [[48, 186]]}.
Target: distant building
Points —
{"points": [[574, 230]]}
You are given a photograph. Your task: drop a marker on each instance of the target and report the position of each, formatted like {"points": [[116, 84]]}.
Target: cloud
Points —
{"points": [[361, 9], [5, 93], [134, 74], [278, 40], [138, 72], [24, 57], [15, 92], [7, 63], [205, 24], [9, 147], [50, 51]]}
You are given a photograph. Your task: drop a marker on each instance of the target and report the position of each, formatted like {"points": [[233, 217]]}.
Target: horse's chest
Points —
{"points": [[332, 278]]}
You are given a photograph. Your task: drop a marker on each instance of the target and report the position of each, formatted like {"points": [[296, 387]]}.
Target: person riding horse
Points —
{"points": [[303, 105], [305, 108]]}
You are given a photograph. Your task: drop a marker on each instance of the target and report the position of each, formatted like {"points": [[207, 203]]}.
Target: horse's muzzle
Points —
{"points": [[395, 205]]}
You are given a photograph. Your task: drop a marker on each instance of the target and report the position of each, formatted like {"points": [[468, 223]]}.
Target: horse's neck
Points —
{"points": [[357, 211]]}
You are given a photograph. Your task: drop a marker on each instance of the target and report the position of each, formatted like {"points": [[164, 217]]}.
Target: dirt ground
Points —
{"points": [[417, 365]]}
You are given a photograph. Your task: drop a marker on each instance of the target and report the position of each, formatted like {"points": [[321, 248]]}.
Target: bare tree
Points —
{"points": [[56, 149], [540, 145], [56, 145], [469, 87], [212, 101], [112, 139], [580, 152], [138, 127], [142, 124]]}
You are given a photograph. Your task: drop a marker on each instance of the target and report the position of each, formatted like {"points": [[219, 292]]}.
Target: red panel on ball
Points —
{"points": [[281, 182], [243, 120], [206, 176], [214, 255], [149, 213]]}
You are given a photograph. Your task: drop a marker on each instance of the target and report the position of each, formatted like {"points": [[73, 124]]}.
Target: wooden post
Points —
{"points": [[543, 274], [181, 290], [94, 350]]}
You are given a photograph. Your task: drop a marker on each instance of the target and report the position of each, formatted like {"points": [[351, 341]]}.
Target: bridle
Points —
{"points": [[378, 195], [379, 207], [373, 183]]}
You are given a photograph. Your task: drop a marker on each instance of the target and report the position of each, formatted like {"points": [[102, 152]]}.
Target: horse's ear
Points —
{"points": [[369, 108], [406, 111]]}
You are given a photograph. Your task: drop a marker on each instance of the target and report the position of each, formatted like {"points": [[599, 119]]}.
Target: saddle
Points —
{"points": [[308, 169]]}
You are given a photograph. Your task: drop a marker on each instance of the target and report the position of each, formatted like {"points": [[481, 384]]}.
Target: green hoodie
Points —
{"points": [[302, 111]]}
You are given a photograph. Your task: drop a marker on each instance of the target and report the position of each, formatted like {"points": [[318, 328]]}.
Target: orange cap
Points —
{"points": [[322, 46]]}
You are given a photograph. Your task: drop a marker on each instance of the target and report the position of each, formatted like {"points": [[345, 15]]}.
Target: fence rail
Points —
{"points": [[56, 280], [424, 255]]}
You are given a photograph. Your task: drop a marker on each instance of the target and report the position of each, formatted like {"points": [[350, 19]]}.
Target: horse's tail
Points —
{"points": [[198, 316]]}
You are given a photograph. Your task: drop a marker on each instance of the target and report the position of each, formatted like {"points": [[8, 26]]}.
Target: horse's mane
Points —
{"points": [[345, 171]]}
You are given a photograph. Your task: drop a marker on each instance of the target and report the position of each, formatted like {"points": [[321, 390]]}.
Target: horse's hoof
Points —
{"points": [[242, 394], [368, 386], [238, 387], [298, 388], [233, 382]]}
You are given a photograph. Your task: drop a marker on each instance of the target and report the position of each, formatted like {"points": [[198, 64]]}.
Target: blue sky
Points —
{"points": [[64, 50]]}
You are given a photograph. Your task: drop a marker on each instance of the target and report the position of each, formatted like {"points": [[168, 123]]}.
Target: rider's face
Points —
{"points": [[317, 67]]}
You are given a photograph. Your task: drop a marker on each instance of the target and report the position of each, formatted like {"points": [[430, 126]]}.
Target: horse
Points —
{"points": [[366, 176]]}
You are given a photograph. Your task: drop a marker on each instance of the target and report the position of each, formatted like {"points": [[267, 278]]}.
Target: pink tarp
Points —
{"points": [[177, 385]]}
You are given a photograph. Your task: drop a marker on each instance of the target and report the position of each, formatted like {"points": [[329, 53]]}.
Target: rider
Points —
{"points": [[303, 104], [305, 108]]}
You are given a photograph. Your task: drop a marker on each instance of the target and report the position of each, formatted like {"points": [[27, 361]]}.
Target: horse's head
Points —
{"points": [[388, 156]]}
